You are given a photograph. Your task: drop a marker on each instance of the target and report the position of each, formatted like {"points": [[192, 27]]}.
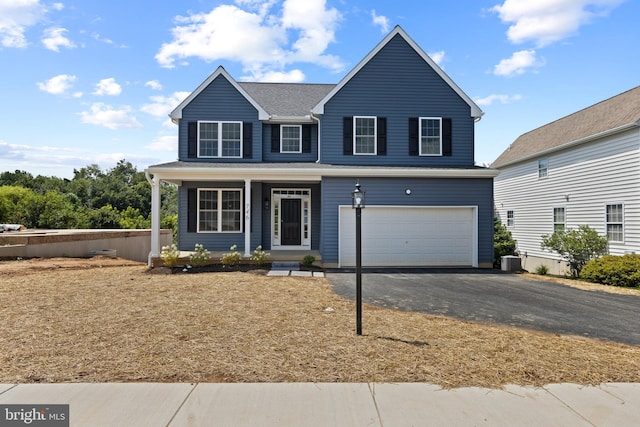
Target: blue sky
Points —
{"points": [[92, 82]]}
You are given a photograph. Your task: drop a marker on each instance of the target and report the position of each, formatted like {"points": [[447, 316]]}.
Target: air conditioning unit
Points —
{"points": [[510, 263]]}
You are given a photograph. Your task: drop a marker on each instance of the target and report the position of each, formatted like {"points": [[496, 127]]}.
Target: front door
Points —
{"points": [[291, 217]]}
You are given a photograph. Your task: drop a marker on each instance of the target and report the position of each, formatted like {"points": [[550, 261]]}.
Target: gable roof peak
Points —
{"points": [[476, 112]]}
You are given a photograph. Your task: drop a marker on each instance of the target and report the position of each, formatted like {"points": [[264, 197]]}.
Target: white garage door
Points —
{"points": [[403, 236]]}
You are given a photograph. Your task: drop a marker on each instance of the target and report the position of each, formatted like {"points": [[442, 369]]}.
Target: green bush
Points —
{"points": [[308, 260], [576, 246], [200, 257], [231, 259], [259, 256], [503, 242], [542, 270], [613, 270]]}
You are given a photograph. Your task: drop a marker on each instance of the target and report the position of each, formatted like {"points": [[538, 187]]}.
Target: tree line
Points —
{"points": [[119, 197]]}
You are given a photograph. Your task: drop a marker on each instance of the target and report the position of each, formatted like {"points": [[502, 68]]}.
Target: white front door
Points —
{"points": [[290, 218]]}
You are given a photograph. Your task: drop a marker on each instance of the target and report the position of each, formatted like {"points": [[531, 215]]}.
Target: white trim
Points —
{"points": [[219, 141], [176, 114], [476, 112], [420, 119], [299, 139], [277, 196], [375, 135]]}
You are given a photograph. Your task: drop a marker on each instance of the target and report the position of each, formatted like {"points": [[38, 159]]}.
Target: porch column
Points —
{"points": [[155, 218], [247, 218]]}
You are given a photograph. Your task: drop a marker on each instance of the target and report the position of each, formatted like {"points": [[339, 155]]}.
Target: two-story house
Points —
{"points": [[582, 169], [274, 164]]}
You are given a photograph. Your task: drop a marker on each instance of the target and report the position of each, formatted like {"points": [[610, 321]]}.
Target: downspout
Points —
{"points": [[317, 119]]}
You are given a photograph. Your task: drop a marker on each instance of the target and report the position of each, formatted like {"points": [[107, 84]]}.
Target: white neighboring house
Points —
{"points": [[582, 169]]}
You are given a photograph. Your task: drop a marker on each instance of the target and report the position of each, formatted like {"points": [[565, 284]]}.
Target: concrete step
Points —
{"points": [[285, 265]]}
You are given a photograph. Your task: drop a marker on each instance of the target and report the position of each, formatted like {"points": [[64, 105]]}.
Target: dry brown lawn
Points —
{"points": [[91, 321]]}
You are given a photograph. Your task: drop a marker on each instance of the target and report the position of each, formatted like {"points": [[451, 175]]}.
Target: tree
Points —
{"points": [[576, 246], [503, 242]]}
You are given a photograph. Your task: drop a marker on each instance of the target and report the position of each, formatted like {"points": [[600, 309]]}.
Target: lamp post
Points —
{"points": [[357, 203]]}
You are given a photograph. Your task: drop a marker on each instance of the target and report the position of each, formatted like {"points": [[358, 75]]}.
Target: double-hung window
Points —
{"points": [[510, 219], [558, 220], [219, 139], [364, 135], [615, 223], [430, 136], [219, 210], [543, 168], [291, 139]]}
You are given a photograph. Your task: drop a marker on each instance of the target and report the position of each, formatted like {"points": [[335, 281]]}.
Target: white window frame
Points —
{"points": [[375, 135], [557, 224], [220, 210], [614, 223], [219, 141], [421, 136], [543, 168], [282, 138], [511, 218]]}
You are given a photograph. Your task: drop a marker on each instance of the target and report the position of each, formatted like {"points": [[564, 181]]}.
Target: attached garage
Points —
{"points": [[411, 236]]}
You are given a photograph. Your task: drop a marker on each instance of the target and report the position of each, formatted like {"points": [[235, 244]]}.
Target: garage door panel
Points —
{"points": [[409, 236]]}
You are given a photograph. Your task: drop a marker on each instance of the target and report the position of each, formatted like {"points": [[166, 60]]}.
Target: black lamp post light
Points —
{"points": [[358, 203]]}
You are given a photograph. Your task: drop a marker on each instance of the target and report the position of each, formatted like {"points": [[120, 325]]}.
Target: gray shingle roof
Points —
{"points": [[287, 99], [613, 113]]}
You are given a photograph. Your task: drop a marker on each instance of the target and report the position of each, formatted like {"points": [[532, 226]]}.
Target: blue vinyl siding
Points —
{"points": [[268, 156], [397, 84], [424, 192], [220, 101]]}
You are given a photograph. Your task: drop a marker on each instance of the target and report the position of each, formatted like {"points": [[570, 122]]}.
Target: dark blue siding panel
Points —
{"points": [[220, 101], [424, 192], [268, 156], [397, 84]]}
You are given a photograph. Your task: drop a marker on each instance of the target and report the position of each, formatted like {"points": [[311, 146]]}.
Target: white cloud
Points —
{"points": [[57, 85], [161, 106], [438, 57], [256, 37], [107, 87], [519, 63], [15, 18], [100, 114], [154, 84], [503, 99], [381, 21], [293, 76], [54, 38], [164, 143], [547, 21]]}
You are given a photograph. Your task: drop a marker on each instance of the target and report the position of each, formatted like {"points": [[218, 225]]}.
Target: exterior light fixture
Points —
{"points": [[357, 197]]}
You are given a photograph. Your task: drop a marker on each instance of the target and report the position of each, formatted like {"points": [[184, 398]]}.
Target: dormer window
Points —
{"points": [[291, 139]]}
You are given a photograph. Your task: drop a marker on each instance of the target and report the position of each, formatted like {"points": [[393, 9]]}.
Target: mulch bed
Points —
{"points": [[103, 323]]}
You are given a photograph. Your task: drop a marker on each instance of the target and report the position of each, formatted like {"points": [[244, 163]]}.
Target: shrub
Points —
{"points": [[200, 257], [259, 256], [577, 247], [503, 242], [542, 270], [170, 255], [613, 270], [231, 259], [308, 260]]}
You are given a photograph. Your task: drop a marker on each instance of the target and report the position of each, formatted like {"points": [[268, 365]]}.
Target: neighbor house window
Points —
{"points": [[510, 219], [430, 136], [615, 225], [543, 168], [219, 210], [558, 219], [290, 139], [364, 135], [220, 139]]}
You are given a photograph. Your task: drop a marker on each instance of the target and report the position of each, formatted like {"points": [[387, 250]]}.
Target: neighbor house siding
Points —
{"points": [[397, 84], [592, 175], [424, 192], [220, 101]]}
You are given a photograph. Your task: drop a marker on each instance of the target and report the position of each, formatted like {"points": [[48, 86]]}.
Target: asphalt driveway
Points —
{"points": [[495, 297]]}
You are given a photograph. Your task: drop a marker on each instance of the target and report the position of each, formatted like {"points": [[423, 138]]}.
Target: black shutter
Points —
{"points": [[306, 138], [413, 136], [192, 210], [247, 140], [446, 137], [275, 138], [192, 139], [382, 136], [347, 135]]}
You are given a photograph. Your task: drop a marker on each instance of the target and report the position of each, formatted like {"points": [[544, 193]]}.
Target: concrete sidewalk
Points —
{"points": [[332, 404]]}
